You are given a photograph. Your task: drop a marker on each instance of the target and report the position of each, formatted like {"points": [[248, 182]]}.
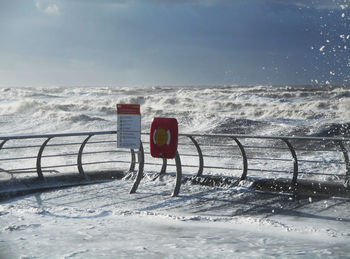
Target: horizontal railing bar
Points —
{"points": [[321, 174], [21, 147], [106, 151], [215, 145], [217, 156], [22, 169], [32, 171], [321, 162], [63, 155], [266, 147], [193, 135], [250, 158], [58, 166], [58, 135], [35, 146], [26, 170], [196, 166], [189, 155], [221, 167], [184, 144], [146, 143], [58, 145], [267, 137], [17, 158], [213, 156], [69, 165], [148, 163], [102, 141], [296, 149], [106, 162], [301, 172], [208, 167], [38, 146], [271, 147], [271, 159], [77, 143], [266, 170], [316, 150], [299, 160], [254, 163], [59, 155], [98, 142]]}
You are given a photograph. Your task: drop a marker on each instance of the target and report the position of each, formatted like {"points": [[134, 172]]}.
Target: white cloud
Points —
{"points": [[47, 7]]}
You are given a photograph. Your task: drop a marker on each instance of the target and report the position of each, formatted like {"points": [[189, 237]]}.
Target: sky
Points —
{"points": [[174, 42]]}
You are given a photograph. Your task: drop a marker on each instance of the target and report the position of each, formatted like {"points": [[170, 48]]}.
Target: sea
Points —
{"points": [[256, 110], [103, 220]]}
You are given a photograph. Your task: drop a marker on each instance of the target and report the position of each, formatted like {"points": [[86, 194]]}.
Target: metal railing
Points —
{"points": [[240, 156], [44, 143]]}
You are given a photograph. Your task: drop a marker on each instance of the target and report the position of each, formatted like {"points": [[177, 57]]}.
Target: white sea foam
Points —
{"points": [[202, 221], [198, 109], [105, 221]]}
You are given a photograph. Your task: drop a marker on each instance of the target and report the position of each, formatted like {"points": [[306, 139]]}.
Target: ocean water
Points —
{"points": [[253, 110], [259, 110], [104, 221]]}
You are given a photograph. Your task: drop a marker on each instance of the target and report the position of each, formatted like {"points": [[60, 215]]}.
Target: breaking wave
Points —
{"points": [[228, 109]]}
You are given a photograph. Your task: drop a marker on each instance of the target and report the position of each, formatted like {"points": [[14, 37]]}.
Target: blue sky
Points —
{"points": [[178, 42]]}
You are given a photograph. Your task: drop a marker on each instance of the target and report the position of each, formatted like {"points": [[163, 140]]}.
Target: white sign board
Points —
{"points": [[129, 126]]}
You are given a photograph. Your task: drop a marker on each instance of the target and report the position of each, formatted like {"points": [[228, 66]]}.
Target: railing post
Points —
{"points": [[200, 156], [164, 166], [293, 183], [80, 155], [347, 163], [178, 175], [3, 143], [162, 170], [38, 158], [141, 160], [133, 161], [244, 157], [140, 172]]}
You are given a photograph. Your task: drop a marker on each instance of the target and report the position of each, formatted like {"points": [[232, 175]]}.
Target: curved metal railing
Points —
{"points": [[304, 145], [43, 144], [241, 156]]}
